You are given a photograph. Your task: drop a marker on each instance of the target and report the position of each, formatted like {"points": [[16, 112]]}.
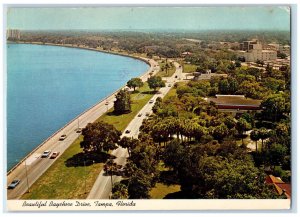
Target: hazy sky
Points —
{"points": [[159, 18]]}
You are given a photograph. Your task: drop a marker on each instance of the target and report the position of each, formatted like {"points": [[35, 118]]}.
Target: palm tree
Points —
{"points": [[254, 135], [263, 134]]}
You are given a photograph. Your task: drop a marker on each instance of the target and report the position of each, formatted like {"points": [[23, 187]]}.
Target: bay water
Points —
{"points": [[47, 86]]}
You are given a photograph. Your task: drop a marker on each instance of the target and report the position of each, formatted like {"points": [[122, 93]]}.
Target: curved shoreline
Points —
{"points": [[144, 75], [145, 60]]}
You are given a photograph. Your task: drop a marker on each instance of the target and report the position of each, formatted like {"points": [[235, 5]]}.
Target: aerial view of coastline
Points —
{"points": [[118, 104]]}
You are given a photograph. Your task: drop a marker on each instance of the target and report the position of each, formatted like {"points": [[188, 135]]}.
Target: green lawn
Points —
{"points": [[139, 99], [68, 182], [188, 68], [172, 92], [171, 71], [161, 190], [62, 182]]}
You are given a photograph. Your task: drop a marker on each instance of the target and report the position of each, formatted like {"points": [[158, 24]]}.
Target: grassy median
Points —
{"points": [[65, 181], [164, 73]]}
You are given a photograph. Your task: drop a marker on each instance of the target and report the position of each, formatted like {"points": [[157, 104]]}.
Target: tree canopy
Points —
{"points": [[155, 82], [100, 136], [134, 83], [122, 105]]}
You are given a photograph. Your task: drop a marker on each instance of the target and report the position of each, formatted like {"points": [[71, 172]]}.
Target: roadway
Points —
{"points": [[103, 186], [34, 166]]}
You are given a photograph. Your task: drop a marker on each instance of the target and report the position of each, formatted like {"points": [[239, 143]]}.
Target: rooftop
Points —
{"points": [[234, 100]]}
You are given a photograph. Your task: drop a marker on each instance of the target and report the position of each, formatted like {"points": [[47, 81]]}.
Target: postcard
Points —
{"points": [[148, 107]]}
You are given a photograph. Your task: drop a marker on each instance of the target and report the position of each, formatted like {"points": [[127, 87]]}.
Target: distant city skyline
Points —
{"points": [[150, 18]]}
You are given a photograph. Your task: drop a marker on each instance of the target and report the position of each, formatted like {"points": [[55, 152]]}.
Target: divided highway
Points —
{"points": [[102, 186]]}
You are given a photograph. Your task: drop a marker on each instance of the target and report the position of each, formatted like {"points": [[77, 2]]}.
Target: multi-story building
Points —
{"points": [[253, 51], [13, 34]]}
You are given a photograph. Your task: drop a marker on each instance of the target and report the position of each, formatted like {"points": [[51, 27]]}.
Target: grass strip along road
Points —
{"points": [[68, 178]]}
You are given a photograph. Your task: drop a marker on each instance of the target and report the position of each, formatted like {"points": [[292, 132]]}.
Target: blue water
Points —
{"points": [[47, 86]]}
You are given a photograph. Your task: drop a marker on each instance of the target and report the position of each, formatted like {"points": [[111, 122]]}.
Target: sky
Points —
{"points": [[150, 18]]}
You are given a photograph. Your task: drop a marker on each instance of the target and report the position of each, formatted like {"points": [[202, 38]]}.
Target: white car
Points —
{"points": [[46, 153]]}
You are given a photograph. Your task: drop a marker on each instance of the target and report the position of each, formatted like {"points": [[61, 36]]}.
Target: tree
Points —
{"points": [[224, 86], [129, 143], [139, 185], [274, 106], [122, 105], [100, 136], [119, 191], [238, 63], [263, 134], [155, 82], [254, 135], [276, 154], [242, 125], [134, 83], [220, 132], [281, 55]]}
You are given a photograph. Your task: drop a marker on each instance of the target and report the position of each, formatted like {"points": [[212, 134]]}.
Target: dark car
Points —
{"points": [[54, 155], [127, 131], [14, 184], [140, 115]]}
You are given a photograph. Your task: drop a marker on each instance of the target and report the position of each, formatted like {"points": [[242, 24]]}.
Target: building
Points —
{"points": [[253, 51], [13, 34], [235, 102], [280, 186]]}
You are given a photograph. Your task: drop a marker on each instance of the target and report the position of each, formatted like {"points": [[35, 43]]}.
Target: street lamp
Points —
{"points": [[84, 176], [26, 176]]}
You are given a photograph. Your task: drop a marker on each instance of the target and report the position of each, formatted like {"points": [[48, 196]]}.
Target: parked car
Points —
{"points": [[140, 115], [54, 154], [46, 153], [106, 103], [62, 137], [151, 101], [127, 131], [147, 114], [169, 85], [14, 184]]}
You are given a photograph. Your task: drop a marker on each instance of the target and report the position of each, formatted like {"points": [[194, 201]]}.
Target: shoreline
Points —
{"points": [[144, 59], [143, 76]]}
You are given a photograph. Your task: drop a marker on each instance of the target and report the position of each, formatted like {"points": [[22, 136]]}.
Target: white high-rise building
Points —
{"points": [[13, 34], [253, 51]]}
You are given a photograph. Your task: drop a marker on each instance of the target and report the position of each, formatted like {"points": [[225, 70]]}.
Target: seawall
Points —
{"points": [[72, 122]]}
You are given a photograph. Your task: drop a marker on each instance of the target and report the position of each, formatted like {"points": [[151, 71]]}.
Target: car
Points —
{"points": [[127, 131], [147, 114], [14, 184], [176, 76], [106, 103], [151, 101], [140, 115], [169, 85], [62, 137], [78, 130], [46, 153], [54, 154]]}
